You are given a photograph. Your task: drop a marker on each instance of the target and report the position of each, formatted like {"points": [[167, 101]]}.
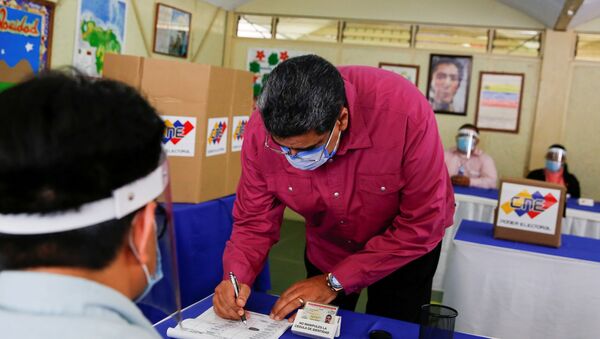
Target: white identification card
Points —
{"points": [[319, 312], [306, 327]]}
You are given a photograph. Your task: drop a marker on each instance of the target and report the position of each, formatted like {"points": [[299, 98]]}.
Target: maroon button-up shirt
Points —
{"points": [[382, 201]]}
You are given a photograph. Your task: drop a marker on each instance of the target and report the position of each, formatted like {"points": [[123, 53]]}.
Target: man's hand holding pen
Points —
{"points": [[226, 305]]}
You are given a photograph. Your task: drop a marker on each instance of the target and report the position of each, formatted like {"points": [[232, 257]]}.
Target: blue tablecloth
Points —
{"points": [[571, 246], [201, 231], [493, 194], [479, 192], [506, 289], [354, 325]]}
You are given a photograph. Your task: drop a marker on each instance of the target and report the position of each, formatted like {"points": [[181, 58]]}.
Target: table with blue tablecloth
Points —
{"points": [[508, 289], [354, 325], [201, 232], [479, 205]]}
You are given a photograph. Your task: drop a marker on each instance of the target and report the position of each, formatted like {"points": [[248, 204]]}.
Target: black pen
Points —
{"points": [[236, 290]]}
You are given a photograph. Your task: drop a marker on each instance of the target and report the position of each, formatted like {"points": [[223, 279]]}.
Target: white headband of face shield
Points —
{"points": [[559, 151], [469, 132], [123, 201]]}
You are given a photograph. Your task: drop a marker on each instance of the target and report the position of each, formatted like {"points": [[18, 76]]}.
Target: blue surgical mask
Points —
{"points": [[151, 280], [553, 166], [312, 159], [465, 144]]}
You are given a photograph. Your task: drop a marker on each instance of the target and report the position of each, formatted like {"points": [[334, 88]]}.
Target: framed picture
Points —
{"points": [[100, 29], [262, 61], [409, 72], [499, 101], [172, 31], [26, 36], [448, 83], [530, 211]]}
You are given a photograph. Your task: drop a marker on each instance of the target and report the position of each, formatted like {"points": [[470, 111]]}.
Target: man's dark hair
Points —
{"points": [[66, 140], [302, 94], [449, 61], [470, 126], [557, 146]]}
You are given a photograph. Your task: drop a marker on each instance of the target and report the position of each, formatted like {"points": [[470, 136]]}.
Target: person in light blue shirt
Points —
{"points": [[81, 164]]}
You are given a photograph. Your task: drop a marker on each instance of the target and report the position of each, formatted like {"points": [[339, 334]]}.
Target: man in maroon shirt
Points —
{"points": [[355, 151]]}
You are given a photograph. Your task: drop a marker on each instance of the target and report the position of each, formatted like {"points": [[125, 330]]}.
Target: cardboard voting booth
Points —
{"points": [[205, 109], [530, 211]]}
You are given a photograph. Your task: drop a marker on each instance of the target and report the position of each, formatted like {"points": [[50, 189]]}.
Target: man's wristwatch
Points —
{"points": [[333, 283]]}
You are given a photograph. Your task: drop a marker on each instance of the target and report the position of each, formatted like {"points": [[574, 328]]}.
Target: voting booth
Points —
{"points": [[205, 109]]}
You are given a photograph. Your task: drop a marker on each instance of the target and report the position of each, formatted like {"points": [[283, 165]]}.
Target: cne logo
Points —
{"points": [[175, 131], [238, 133], [217, 132], [530, 204]]}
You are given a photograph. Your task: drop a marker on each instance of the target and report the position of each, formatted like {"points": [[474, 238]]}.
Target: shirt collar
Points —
{"points": [[57, 294], [356, 136]]}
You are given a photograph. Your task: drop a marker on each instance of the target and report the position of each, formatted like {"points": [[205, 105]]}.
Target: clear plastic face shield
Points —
{"points": [[555, 158], [129, 198], [466, 140]]}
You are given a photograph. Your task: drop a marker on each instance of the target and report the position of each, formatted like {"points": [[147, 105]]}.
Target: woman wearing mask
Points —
{"points": [[557, 172]]}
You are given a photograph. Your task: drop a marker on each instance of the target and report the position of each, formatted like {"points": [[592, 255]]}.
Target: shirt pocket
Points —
{"points": [[294, 191], [379, 196]]}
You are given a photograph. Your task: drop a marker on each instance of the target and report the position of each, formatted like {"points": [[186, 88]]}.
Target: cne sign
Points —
{"points": [[530, 211], [179, 136]]}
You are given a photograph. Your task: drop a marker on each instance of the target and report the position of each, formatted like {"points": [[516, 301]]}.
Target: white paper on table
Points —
{"points": [[210, 325]]}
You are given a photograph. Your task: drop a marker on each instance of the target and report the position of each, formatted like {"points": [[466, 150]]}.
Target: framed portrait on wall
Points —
{"points": [[172, 29], [261, 62], [448, 83], [409, 72], [499, 101], [25, 39], [100, 29]]}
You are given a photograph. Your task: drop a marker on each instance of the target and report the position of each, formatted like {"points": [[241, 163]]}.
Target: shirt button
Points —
{"points": [[342, 222], [382, 188], [348, 241], [336, 194], [330, 160], [290, 188]]}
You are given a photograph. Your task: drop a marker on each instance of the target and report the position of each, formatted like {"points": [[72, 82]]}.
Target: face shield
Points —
{"points": [[127, 199], [555, 158], [466, 139], [556, 154]]}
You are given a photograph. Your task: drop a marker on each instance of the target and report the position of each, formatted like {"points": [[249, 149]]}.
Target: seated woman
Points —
{"points": [[557, 171]]}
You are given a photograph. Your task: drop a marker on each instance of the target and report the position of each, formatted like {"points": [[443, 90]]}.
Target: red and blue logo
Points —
{"points": [[530, 204], [217, 132], [238, 134], [175, 131]]}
